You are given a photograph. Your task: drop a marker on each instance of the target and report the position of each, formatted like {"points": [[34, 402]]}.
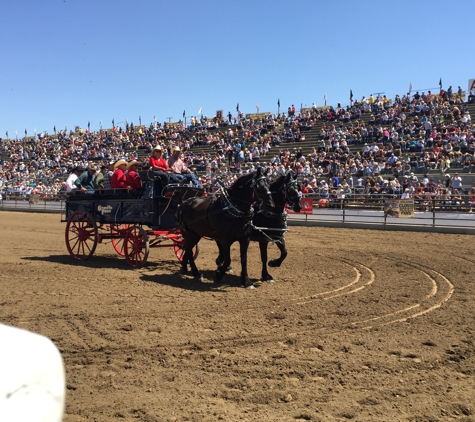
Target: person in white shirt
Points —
{"points": [[70, 185]]}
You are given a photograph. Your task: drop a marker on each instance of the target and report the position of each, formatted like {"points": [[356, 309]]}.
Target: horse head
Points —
{"points": [[292, 193], [262, 191], [252, 187]]}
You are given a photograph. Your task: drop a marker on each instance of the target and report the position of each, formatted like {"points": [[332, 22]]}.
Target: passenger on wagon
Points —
{"points": [[85, 182], [180, 169], [132, 178], [157, 162], [119, 180]]}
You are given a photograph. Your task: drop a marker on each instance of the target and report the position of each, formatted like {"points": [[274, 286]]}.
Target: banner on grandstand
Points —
{"points": [[471, 85], [219, 114], [399, 208], [257, 115], [307, 207]]}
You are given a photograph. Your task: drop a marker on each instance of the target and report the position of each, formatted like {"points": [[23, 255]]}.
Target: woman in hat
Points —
{"points": [[132, 178], [156, 161]]}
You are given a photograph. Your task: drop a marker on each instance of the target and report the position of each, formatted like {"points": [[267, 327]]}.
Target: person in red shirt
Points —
{"points": [[132, 178], [119, 180], [157, 162]]}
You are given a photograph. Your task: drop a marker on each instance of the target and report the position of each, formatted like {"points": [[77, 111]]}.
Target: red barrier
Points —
{"points": [[307, 207]]}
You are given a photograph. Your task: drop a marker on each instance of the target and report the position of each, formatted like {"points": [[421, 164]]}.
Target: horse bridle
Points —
{"points": [[232, 209]]}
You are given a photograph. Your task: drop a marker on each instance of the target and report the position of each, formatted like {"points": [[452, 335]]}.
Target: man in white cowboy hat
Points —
{"points": [[119, 180], [180, 169], [132, 178]]}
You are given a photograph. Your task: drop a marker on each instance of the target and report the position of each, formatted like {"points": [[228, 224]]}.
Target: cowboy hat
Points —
{"points": [[132, 163], [158, 148], [119, 163]]}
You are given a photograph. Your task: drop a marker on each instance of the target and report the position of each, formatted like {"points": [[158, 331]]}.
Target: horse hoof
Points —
{"points": [[250, 286], [199, 278], [268, 280], [229, 270]]}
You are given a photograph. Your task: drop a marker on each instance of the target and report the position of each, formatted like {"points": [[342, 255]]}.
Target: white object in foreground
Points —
{"points": [[32, 379]]}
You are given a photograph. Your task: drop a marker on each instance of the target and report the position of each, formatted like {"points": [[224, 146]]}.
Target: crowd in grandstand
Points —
{"points": [[423, 132]]}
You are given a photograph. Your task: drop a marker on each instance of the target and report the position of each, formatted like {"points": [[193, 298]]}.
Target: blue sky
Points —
{"points": [[70, 62]]}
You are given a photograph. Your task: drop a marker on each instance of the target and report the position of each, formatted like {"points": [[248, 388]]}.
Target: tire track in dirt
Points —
{"points": [[439, 290]]}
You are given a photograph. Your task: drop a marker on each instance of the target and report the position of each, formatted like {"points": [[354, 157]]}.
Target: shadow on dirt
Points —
{"points": [[112, 261], [187, 282]]}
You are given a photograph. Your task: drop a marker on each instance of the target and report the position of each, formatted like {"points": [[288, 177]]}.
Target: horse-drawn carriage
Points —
{"points": [[177, 216], [133, 222]]}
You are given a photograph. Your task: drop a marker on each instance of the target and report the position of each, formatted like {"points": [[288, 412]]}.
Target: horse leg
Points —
{"points": [[190, 241], [265, 276], [243, 246], [283, 254], [225, 253], [219, 259]]}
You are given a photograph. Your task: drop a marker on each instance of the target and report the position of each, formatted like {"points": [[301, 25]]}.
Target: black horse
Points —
{"points": [[226, 218], [270, 226]]}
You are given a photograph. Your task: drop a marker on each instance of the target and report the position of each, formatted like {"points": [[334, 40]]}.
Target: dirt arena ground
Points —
{"points": [[360, 325]]}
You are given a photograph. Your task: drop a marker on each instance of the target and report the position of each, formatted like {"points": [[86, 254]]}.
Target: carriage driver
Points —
{"points": [[180, 169]]}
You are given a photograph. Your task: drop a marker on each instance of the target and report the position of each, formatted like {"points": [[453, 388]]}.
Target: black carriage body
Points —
{"points": [[154, 206]]}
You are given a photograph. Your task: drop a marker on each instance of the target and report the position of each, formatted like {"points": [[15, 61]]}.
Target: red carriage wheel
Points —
{"points": [[136, 246], [180, 251], [81, 235], [118, 243]]}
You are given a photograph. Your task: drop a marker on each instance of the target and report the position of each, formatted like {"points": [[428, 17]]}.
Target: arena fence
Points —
{"points": [[377, 213]]}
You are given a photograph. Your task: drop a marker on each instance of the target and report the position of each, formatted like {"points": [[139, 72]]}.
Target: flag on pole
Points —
{"points": [[140, 120], [440, 83], [113, 124], [7, 133], [25, 132], [325, 99], [278, 102], [237, 107], [89, 125], [54, 129], [410, 87], [351, 95], [200, 110], [184, 113]]}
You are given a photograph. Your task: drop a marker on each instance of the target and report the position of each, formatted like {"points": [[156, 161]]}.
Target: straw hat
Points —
{"points": [[132, 163], [119, 163]]}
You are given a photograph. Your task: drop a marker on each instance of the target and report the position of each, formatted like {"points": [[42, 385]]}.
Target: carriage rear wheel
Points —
{"points": [[81, 235], [180, 251], [136, 246], [118, 243]]}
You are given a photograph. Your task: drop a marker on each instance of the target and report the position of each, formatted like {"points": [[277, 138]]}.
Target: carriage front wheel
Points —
{"points": [[81, 235], [179, 249], [136, 246]]}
